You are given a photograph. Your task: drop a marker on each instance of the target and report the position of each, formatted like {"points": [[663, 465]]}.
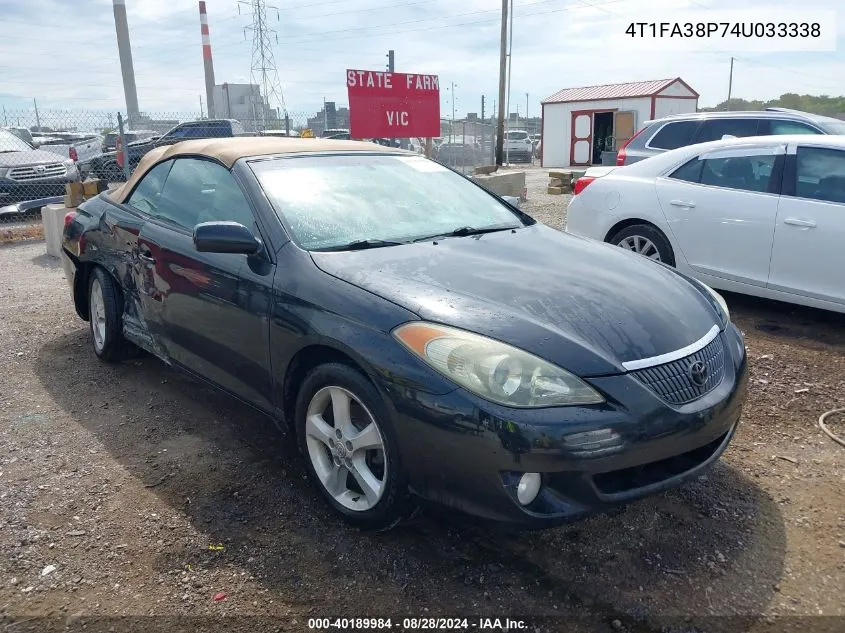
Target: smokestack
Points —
{"points": [[206, 58], [124, 49]]}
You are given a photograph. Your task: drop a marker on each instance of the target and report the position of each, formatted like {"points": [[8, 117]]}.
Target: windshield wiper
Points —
{"points": [[466, 230], [360, 245]]}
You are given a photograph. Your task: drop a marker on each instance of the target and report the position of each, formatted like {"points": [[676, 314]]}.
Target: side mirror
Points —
{"points": [[225, 237], [512, 200]]}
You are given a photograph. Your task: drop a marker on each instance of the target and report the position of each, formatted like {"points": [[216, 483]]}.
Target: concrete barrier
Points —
{"points": [[53, 220], [508, 183]]}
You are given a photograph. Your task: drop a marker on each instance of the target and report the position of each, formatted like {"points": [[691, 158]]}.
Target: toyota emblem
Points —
{"points": [[39, 169], [698, 373]]}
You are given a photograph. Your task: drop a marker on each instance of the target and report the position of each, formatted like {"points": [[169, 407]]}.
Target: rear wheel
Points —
{"points": [[645, 240], [350, 449], [105, 309]]}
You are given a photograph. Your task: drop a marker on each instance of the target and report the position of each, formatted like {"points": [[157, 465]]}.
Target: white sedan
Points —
{"points": [[763, 216]]}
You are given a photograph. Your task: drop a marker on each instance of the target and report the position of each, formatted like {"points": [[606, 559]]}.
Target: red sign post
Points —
{"points": [[393, 105]]}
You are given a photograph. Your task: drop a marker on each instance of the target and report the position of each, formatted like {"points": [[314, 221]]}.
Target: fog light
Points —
{"points": [[528, 488]]}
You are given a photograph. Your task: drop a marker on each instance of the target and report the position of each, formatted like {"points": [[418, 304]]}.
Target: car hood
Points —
{"points": [[28, 157], [583, 305]]}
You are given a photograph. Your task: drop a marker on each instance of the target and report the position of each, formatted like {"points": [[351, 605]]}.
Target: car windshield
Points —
{"points": [[11, 143], [516, 136], [332, 201]]}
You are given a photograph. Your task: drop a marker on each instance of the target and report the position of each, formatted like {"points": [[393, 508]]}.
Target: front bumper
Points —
{"points": [[12, 191], [466, 453]]}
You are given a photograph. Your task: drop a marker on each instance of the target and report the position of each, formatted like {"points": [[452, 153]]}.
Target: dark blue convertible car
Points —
{"points": [[421, 337]]}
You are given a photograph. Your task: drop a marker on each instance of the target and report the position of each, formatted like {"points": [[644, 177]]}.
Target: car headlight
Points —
{"points": [[493, 370], [718, 299], [4, 171]]}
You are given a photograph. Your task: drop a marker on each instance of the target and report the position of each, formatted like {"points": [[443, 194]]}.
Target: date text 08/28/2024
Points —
{"points": [[417, 624]]}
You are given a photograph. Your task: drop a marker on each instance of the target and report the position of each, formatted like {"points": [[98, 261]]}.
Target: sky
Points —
{"points": [[64, 53]]}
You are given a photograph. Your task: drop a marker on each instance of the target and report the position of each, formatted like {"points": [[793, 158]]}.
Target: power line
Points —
{"points": [[416, 21], [444, 26]]}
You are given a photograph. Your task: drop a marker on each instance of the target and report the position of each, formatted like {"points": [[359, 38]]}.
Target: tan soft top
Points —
{"points": [[229, 150]]}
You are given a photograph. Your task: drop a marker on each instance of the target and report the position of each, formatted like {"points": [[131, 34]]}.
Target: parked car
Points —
{"points": [[281, 133], [110, 139], [459, 153], [82, 148], [31, 174], [335, 133], [680, 130], [518, 146], [763, 216], [106, 166], [376, 304], [22, 133]]}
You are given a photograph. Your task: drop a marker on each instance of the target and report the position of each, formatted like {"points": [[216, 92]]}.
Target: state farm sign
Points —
{"points": [[393, 105]]}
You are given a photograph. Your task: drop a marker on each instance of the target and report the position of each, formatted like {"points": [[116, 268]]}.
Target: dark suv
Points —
{"points": [[106, 166], [680, 130]]}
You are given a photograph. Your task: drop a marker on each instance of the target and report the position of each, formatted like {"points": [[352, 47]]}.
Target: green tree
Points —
{"points": [[816, 104]]}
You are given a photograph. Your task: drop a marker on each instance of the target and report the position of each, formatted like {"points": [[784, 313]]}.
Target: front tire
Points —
{"points": [[645, 240], [350, 449], [105, 310]]}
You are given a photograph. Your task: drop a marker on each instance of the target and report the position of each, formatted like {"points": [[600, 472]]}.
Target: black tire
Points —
{"points": [[396, 503], [109, 345], [652, 234]]}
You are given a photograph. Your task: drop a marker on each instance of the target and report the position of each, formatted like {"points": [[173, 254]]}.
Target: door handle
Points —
{"points": [[809, 224], [682, 203]]}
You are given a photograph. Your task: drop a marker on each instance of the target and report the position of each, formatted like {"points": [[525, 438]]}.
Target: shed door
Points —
{"points": [[623, 127], [582, 138]]}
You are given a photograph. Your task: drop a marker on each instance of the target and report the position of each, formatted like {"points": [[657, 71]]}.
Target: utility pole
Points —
{"points": [[482, 109], [453, 106], [730, 85], [325, 117], [391, 67], [500, 123], [5, 120], [201, 114], [37, 120], [526, 108], [510, 66]]}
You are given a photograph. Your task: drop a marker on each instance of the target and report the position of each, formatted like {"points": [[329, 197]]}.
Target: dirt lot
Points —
{"points": [[130, 491]]}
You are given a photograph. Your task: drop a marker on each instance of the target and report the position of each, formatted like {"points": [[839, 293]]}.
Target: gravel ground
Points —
{"points": [[132, 492]]}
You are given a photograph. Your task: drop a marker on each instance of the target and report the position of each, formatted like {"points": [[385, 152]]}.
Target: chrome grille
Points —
{"points": [[673, 382], [37, 172]]}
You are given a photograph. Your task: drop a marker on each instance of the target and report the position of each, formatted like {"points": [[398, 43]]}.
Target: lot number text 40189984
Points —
{"points": [[417, 624]]}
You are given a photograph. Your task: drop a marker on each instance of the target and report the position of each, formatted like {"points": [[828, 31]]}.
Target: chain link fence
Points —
{"points": [[467, 145], [42, 151]]}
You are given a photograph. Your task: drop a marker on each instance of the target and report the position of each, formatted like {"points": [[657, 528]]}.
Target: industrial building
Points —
{"points": [[243, 102]]}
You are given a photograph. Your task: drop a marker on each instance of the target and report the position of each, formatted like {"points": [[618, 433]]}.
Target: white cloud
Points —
{"points": [[64, 52]]}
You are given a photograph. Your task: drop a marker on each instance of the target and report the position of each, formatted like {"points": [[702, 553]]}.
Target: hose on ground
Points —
{"points": [[824, 428]]}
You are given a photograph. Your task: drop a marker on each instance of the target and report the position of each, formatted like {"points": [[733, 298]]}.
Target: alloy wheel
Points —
{"points": [[346, 448], [98, 314], [641, 245]]}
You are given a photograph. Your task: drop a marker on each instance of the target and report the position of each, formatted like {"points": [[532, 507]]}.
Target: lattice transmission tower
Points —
{"points": [[263, 71]]}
